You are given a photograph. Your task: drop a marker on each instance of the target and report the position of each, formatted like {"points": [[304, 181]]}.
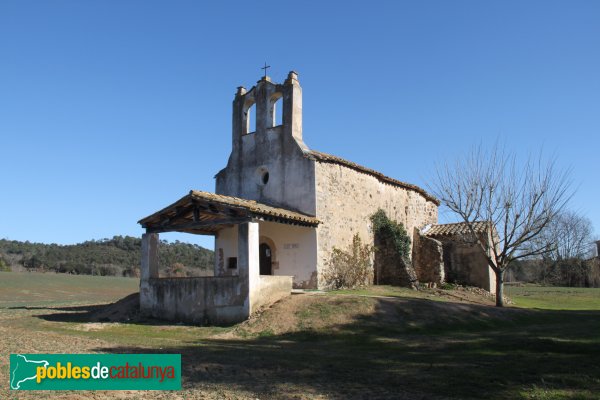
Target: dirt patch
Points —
{"points": [[467, 294], [91, 327], [125, 310]]}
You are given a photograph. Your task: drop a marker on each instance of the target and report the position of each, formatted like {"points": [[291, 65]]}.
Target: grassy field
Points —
{"points": [[555, 298], [34, 289], [381, 343]]}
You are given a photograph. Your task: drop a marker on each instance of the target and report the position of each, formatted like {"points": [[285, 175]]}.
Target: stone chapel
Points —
{"points": [[279, 209]]}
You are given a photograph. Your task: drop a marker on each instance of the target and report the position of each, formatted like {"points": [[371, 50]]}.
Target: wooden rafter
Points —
{"points": [[197, 226]]}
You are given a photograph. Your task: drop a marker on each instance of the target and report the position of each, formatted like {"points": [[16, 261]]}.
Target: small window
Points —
{"points": [[232, 262], [251, 119], [278, 112], [261, 175]]}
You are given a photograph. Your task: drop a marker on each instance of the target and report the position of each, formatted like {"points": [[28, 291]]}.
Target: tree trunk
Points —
{"points": [[500, 288]]}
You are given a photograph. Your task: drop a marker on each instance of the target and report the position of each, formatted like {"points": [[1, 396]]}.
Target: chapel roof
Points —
{"points": [[328, 158], [458, 228]]}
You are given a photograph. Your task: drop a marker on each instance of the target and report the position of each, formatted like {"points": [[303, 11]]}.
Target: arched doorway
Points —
{"points": [[265, 259]]}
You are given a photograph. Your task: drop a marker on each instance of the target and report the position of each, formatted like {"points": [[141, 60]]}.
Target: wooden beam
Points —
{"points": [[196, 225], [179, 212]]}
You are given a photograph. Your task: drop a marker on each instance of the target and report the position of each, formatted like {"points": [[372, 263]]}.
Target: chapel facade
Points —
{"points": [[273, 165], [278, 210]]}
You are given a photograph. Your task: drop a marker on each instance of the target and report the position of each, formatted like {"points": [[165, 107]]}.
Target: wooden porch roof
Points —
{"points": [[206, 213]]}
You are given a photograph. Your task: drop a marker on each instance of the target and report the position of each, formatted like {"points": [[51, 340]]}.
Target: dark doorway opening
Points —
{"points": [[265, 259]]}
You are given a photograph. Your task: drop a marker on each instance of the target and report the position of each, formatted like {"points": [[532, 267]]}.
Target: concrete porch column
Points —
{"points": [[248, 261], [149, 268]]}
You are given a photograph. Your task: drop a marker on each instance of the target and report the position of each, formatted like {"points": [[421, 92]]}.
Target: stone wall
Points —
{"points": [[428, 259], [346, 199], [203, 300], [389, 267], [210, 300], [466, 264]]}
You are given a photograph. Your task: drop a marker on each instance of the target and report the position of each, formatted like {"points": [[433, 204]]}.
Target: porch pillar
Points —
{"points": [[149, 268], [248, 261], [149, 256]]}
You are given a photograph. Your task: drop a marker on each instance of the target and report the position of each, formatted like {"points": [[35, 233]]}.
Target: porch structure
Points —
{"points": [[223, 298]]}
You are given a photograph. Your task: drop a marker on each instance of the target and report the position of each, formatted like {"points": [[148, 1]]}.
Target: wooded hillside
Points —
{"points": [[117, 256]]}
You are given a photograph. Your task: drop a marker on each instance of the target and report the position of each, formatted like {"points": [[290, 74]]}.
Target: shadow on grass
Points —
{"points": [[79, 309], [125, 310], [410, 348]]}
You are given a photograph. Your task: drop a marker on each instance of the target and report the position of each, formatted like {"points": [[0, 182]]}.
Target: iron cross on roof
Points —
{"points": [[265, 68]]}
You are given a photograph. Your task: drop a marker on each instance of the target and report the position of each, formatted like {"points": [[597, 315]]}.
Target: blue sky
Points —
{"points": [[110, 110]]}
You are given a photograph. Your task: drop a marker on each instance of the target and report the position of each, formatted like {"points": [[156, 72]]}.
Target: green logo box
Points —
{"points": [[95, 371]]}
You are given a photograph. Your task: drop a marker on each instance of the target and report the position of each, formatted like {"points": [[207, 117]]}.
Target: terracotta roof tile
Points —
{"points": [[459, 228], [254, 206], [249, 208]]}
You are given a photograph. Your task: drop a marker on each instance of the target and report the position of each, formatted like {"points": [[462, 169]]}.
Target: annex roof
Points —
{"points": [[459, 228], [206, 213], [328, 158]]}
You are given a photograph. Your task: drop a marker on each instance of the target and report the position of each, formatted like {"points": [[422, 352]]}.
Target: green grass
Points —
{"points": [[554, 298], [547, 346], [70, 294], [319, 310], [36, 289], [527, 296]]}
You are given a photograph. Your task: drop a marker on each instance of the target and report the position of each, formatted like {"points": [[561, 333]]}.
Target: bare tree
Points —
{"points": [[517, 200], [568, 263], [570, 236]]}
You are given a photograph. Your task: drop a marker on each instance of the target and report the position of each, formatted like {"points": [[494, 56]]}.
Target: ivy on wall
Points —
{"points": [[393, 231]]}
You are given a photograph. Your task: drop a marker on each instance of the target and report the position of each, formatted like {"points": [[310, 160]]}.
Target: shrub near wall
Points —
{"points": [[352, 268]]}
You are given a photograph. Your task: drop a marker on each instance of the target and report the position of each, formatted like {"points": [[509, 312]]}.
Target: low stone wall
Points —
{"points": [[271, 288], [218, 300], [199, 300]]}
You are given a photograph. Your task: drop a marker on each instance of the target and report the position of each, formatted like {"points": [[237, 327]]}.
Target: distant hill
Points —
{"points": [[120, 256]]}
